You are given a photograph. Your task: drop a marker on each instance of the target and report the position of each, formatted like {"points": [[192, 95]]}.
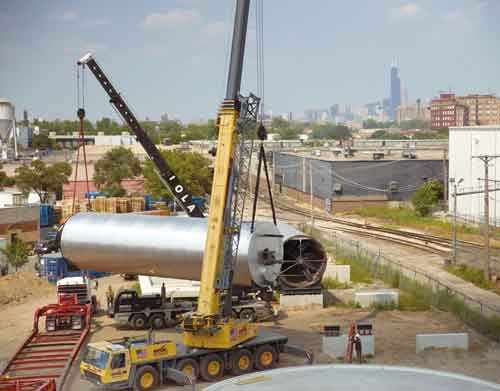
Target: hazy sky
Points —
{"points": [[170, 56]]}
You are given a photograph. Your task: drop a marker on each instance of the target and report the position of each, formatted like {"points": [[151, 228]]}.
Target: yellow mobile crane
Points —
{"points": [[213, 340]]}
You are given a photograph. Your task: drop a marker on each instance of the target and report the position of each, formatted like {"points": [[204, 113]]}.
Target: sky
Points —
{"points": [[171, 56]]}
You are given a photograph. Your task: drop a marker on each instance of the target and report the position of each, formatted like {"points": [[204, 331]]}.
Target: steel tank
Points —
{"points": [[304, 259], [7, 119], [165, 246]]}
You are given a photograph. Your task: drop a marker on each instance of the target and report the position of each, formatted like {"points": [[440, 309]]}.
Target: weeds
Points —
{"points": [[333, 283], [471, 274]]}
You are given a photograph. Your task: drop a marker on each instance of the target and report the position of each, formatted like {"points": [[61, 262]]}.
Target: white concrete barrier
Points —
{"points": [[300, 302], [341, 273], [448, 341], [336, 346], [373, 298]]}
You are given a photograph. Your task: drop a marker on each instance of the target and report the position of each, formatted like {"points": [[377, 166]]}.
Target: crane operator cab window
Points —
{"points": [[118, 361]]}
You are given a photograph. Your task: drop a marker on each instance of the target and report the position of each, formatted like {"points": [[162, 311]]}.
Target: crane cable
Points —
{"points": [[80, 91]]}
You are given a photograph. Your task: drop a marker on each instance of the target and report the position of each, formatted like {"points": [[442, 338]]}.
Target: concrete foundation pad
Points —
{"points": [[449, 341], [341, 273], [336, 346], [300, 302], [373, 298]]}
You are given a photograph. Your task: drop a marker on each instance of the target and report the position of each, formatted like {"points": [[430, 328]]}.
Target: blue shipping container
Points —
{"points": [[53, 267], [47, 215]]}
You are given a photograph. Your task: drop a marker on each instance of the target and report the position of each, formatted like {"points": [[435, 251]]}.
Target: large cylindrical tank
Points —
{"points": [[304, 259], [165, 246], [7, 119]]}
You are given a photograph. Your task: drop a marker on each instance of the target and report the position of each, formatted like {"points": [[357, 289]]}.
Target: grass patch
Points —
{"points": [[359, 273], [408, 217], [473, 275], [333, 283]]}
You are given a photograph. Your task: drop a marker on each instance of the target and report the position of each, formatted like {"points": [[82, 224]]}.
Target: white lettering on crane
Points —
{"points": [[172, 178], [179, 189], [191, 207], [184, 197]]}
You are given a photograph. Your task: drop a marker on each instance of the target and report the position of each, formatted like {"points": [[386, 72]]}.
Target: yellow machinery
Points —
{"points": [[213, 340]]}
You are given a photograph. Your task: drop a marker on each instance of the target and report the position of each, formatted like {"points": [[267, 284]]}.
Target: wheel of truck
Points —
{"points": [[265, 357], [189, 367], [211, 367], [248, 314], [157, 321], [146, 378], [138, 322], [241, 362]]}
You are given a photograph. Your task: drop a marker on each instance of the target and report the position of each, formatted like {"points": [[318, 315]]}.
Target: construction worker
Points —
{"points": [[357, 346], [110, 297]]}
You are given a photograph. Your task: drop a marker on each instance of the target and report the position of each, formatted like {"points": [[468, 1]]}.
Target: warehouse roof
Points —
{"points": [[388, 155]]}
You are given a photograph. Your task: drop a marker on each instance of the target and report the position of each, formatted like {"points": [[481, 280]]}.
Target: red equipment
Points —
{"points": [[44, 359]]}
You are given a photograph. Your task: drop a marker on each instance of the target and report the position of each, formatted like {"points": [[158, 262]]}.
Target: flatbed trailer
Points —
{"points": [[148, 365], [44, 359]]}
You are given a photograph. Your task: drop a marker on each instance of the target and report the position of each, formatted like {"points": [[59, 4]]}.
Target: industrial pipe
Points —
{"points": [[173, 247]]}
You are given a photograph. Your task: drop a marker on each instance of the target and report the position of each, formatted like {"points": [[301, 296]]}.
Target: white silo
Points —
{"points": [[7, 126]]}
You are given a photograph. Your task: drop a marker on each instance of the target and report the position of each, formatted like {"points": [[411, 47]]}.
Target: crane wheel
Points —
{"points": [[157, 321], [248, 314], [138, 322], [211, 367], [147, 378], [189, 367], [241, 362], [265, 357]]}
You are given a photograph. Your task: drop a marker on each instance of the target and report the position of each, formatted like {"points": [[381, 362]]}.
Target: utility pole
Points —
{"points": [[311, 192], [445, 178], [455, 184], [486, 226]]}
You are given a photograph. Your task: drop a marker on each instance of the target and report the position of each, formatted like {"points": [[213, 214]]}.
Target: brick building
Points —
{"points": [[450, 110]]}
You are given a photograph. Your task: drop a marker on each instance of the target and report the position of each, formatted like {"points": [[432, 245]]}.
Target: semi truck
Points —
{"points": [[154, 311]]}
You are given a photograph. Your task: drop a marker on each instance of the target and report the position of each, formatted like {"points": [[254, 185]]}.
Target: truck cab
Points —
{"points": [[127, 300], [125, 363]]}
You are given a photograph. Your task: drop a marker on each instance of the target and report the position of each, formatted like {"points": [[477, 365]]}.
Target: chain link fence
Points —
{"points": [[427, 291]]}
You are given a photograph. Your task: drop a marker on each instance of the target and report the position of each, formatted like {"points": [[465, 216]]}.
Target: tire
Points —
{"points": [[241, 362], [248, 314], [265, 357], [157, 321], [189, 367], [211, 367], [138, 322], [146, 378]]}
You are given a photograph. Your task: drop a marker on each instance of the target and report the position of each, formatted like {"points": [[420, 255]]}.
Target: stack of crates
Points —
{"points": [[110, 205], [138, 204], [98, 204], [123, 205]]}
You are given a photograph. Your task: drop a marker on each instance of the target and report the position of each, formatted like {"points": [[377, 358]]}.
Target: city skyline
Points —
{"points": [[174, 55]]}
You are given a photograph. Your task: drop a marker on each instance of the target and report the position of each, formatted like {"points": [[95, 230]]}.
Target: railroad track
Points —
{"points": [[429, 243]]}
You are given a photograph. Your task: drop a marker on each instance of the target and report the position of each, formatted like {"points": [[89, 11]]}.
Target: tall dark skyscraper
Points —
{"points": [[395, 97]]}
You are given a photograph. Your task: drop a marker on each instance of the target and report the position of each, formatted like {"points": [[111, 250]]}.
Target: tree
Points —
{"points": [[42, 179], [16, 253], [42, 141], [4, 179], [370, 123], [192, 169], [116, 165], [336, 132], [427, 196], [385, 135]]}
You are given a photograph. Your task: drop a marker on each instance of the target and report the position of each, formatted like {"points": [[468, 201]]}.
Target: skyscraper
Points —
{"points": [[395, 97]]}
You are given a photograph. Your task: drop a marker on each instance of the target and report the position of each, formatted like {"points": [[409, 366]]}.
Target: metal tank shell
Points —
{"points": [[304, 259], [7, 119], [165, 246], [353, 377]]}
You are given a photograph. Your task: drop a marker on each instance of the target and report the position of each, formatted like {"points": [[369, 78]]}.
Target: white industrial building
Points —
{"points": [[465, 143]]}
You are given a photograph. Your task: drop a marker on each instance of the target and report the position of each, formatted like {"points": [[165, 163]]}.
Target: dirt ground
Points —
{"points": [[394, 336]]}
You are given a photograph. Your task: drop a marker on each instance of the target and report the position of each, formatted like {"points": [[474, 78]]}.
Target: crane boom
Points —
{"points": [[210, 327], [165, 173]]}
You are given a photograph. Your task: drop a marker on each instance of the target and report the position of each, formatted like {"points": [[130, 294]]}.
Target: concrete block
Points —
{"points": [[336, 346], [341, 273], [449, 341], [371, 298], [300, 302]]}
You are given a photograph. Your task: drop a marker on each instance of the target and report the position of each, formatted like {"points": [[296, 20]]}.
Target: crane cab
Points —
{"points": [[112, 363]]}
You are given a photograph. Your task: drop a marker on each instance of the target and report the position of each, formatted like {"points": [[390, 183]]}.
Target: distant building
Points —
{"points": [[416, 111], [395, 97], [164, 118], [72, 140], [450, 110], [446, 112]]}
